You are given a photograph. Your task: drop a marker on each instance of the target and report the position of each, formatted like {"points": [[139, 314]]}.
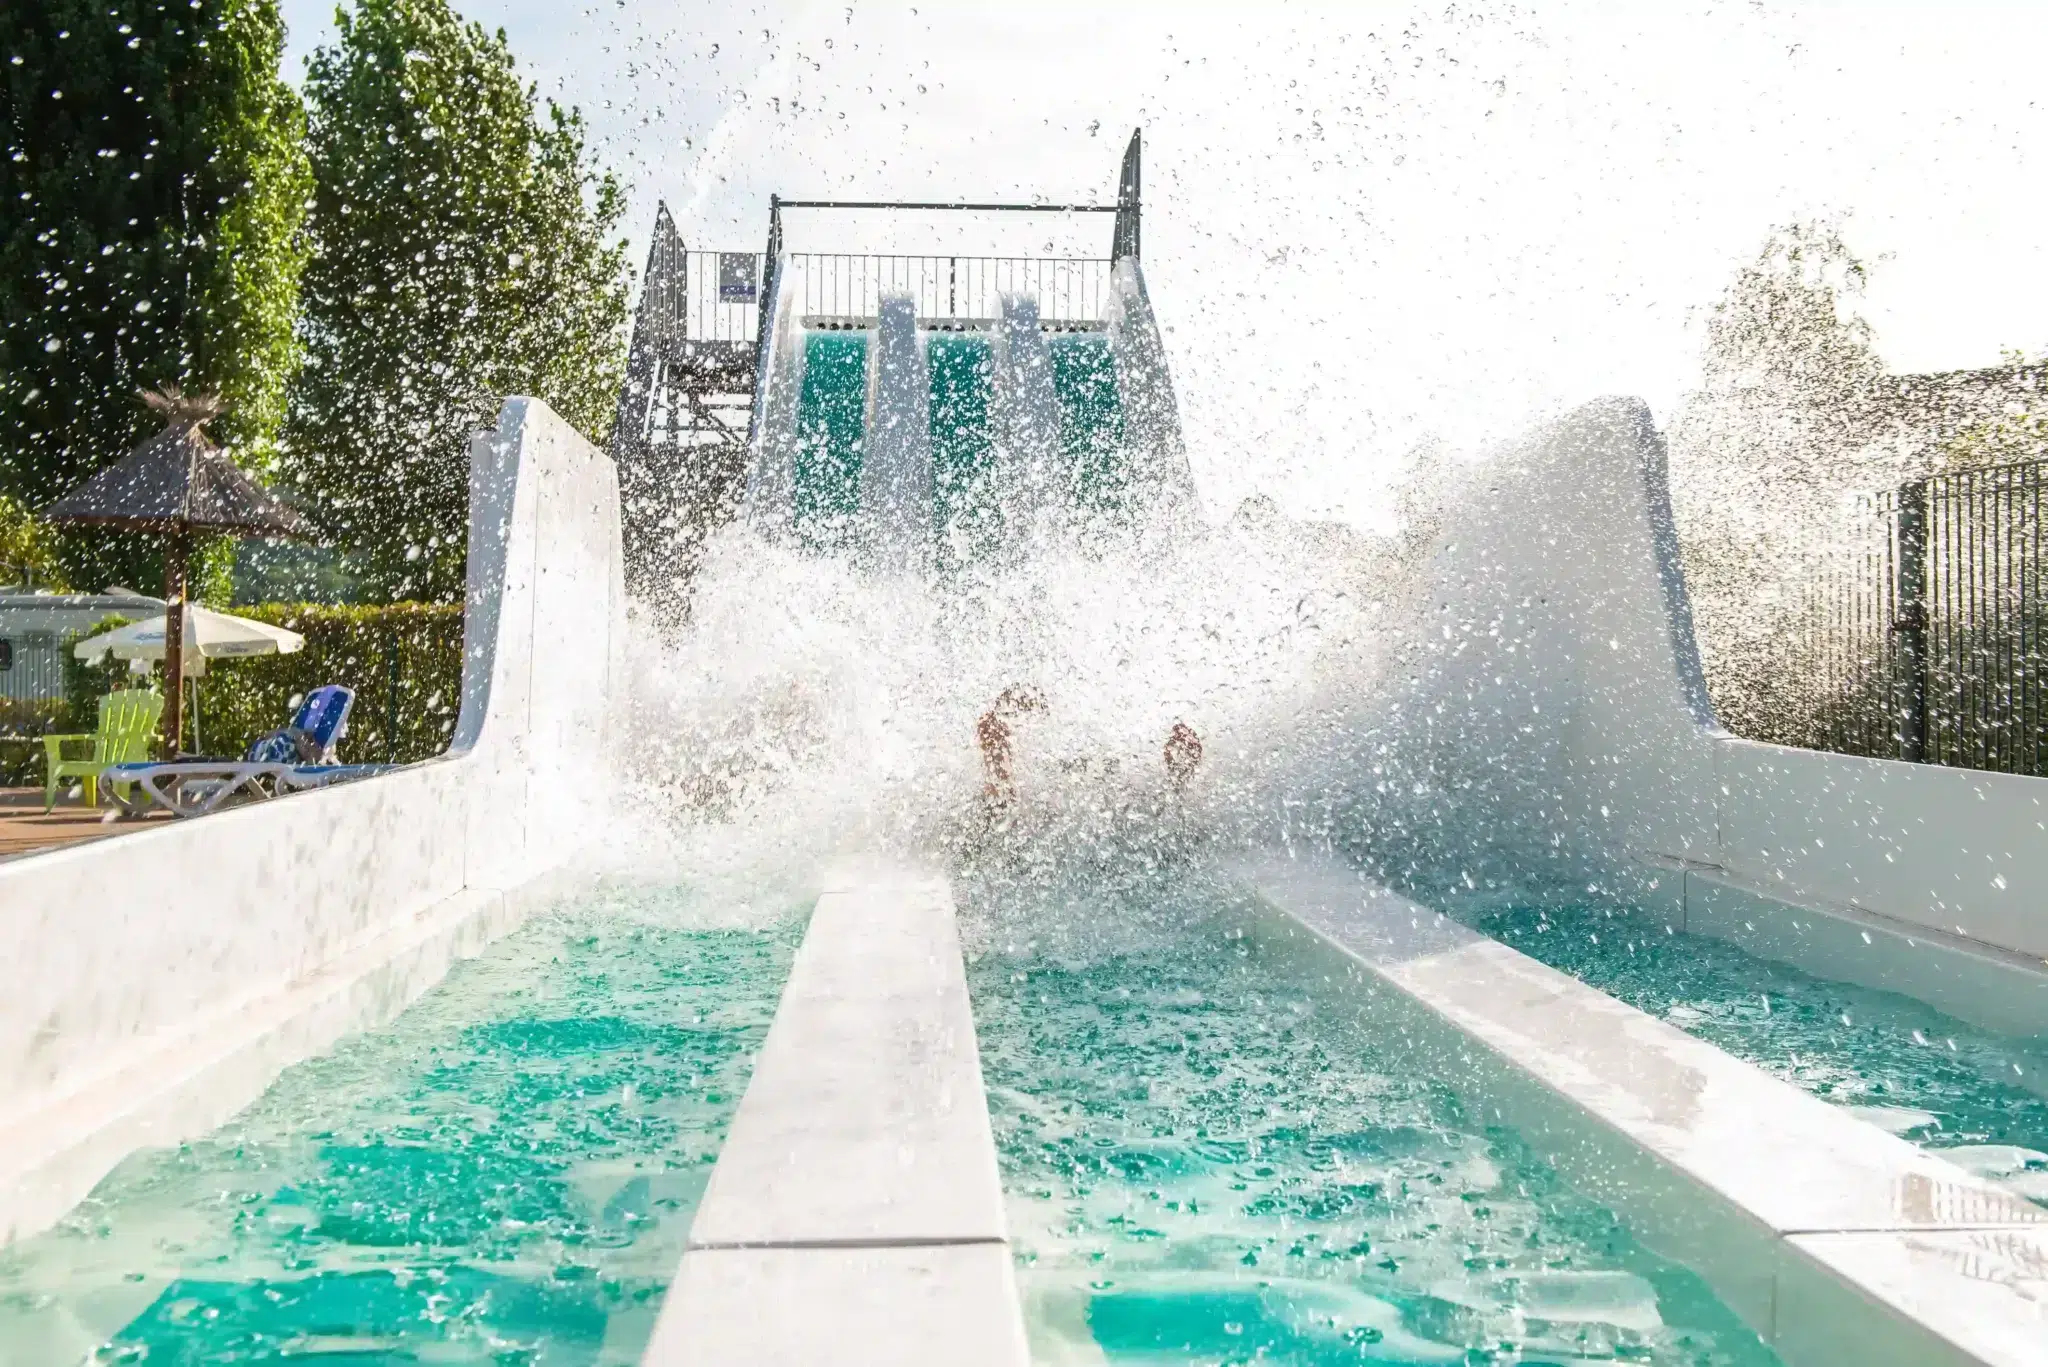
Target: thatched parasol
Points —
{"points": [[178, 483]]}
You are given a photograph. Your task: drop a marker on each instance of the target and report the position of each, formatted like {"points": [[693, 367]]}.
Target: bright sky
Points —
{"points": [[1364, 224]]}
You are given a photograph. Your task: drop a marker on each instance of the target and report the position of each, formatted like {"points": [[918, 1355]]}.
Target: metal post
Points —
{"points": [[176, 547], [1909, 622], [765, 306], [1124, 241], [390, 696], [774, 254]]}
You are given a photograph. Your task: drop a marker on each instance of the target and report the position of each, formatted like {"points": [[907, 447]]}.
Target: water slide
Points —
{"points": [[1340, 1093], [977, 441], [1494, 1006]]}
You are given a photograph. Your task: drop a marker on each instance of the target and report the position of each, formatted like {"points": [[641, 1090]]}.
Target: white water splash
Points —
{"points": [[807, 708]]}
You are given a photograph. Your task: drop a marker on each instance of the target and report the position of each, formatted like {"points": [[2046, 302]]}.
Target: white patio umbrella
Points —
{"points": [[210, 635], [207, 636]]}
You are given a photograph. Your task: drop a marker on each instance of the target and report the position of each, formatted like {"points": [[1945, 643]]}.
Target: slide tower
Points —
{"points": [[922, 414]]}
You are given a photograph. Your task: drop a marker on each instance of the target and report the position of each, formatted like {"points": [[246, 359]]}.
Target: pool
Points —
{"points": [[1211, 1158], [1979, 1096], [504, 1175]]}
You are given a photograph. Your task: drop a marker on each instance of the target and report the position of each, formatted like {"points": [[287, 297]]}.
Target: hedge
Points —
{"points": [[415, 646]]}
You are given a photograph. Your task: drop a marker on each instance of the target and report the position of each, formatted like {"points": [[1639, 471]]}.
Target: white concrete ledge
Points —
{"points": [[856, 1213], [1996, 988], [1835, 1241], [774, 1306]]}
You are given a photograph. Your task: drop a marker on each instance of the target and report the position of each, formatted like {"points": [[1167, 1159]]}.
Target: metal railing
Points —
{"points": [[1924, 632], [955, 290], [844, 289], [721, 296]]}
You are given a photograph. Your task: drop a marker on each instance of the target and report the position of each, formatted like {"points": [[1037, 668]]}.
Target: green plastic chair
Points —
{"points": [[128, 722]]}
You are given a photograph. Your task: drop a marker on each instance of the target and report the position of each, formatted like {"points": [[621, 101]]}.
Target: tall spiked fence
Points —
{"points": [[1921, 633]]}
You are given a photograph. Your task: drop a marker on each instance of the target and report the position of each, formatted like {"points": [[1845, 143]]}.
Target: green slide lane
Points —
{"points": [[831, 420], [1091, 420], [962, 368], [830, 424]]}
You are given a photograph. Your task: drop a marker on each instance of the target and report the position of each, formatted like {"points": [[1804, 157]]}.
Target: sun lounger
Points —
{"points": [[296, 758]]}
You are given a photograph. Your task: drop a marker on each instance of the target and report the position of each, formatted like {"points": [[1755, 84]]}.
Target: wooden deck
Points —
{"points": [[25, 830]]}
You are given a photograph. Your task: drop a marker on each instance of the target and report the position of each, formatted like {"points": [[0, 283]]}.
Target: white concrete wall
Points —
{"points": [[157, 981], [771, 456], [1556, 713], [896, 452]]}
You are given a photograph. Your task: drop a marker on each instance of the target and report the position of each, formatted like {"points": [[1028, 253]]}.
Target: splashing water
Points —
{"points": [[808, 707]]}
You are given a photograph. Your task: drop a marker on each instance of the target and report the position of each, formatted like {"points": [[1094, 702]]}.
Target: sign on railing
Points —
{"points": [[738, 276]]}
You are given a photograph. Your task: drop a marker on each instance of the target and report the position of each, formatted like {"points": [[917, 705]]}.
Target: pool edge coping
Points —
{"points": [[1973, 980]]}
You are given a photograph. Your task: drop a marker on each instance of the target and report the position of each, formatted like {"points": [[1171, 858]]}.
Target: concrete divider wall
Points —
{"points": [[1555, 710], [157, 981], [856, 1212], [1144, 384], [771, 456]]}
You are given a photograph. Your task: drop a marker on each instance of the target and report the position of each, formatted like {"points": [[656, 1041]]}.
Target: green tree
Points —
{"points": [[1762, 459], [153, 173], [1786, 329], [463, 251], [28, 548]]}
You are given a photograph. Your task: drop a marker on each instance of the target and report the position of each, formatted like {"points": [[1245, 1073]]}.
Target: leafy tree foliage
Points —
{"points": [[153, 181], [28, 548], [2016, 435], [463, 252], [1786, 331], [1762, 457]]}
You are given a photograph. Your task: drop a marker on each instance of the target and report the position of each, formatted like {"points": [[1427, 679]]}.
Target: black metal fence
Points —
{"points": [[1924, 630]]}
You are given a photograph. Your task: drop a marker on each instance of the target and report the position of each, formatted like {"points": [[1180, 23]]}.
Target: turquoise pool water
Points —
{"points": [[1208, 1162], [504, 1175], [1895, 1061]]}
